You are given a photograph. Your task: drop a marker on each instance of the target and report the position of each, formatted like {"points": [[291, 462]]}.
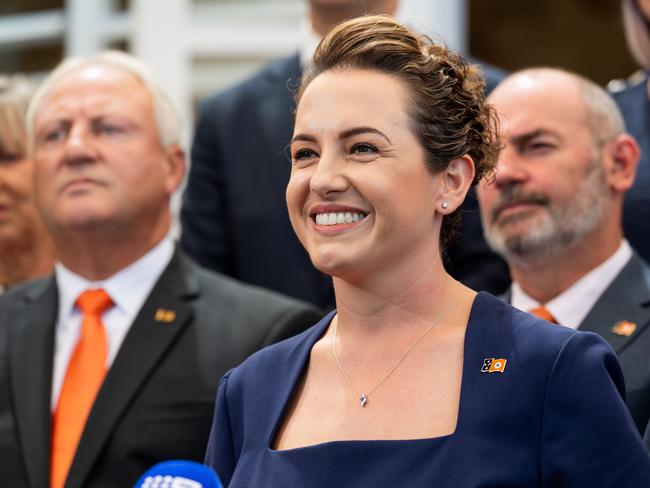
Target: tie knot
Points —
{"points": [[543, 313], [94, 301]]}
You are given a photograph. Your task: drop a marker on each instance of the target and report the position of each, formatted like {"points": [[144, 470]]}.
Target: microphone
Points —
{"points": [[179, 474]]}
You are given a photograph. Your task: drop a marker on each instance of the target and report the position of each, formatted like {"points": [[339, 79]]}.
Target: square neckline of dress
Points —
{"points": [[301, 370]]}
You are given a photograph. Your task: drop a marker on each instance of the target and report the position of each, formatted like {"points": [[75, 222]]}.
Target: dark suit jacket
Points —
{"points": [[553, 418], [627, 298], [234, 214], [157, 400], [635, 107]]}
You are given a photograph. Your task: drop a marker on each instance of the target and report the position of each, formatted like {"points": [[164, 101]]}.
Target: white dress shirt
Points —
{"points": [[572, 306], [128, 289]]}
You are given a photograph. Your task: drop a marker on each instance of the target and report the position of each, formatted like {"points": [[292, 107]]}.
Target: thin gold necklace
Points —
{"points": [[363, 397]]}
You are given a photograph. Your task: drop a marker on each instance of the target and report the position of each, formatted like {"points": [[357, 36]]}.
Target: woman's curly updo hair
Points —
{"points": [[447, 105]]}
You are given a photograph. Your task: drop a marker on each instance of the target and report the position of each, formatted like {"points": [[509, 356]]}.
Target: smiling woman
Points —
{"points": [[415, 380]]}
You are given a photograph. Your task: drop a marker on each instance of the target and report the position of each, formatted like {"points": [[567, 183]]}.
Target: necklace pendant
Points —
{"points": [[363, 400]]}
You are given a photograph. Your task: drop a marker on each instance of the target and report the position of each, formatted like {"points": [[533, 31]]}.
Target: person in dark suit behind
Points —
{"points": [[415, 380], [633, 99], [554, 213], [240, 169], [111, 364]]}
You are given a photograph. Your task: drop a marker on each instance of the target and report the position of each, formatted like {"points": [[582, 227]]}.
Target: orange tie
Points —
{"points": [[84, 376], [543, 313]]}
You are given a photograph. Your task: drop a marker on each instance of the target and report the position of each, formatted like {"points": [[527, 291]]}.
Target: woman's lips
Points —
{"points": [[332, 218]]}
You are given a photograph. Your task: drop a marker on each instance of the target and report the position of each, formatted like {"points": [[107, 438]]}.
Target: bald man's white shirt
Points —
{"points": [[572, 306]]}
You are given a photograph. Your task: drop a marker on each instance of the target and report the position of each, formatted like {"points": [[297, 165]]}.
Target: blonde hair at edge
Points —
{"points": [[15, 93], [167, 118]]}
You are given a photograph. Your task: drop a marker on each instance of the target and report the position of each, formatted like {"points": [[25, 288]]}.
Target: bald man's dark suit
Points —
{"points": [[234, 215], [627, 298], [157, 400]]}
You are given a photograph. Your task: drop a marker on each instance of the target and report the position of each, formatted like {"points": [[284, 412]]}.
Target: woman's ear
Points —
{"points": [[457, 179]]}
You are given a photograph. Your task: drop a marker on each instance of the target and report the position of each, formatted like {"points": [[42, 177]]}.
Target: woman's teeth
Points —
{"points": [[334, 218]]}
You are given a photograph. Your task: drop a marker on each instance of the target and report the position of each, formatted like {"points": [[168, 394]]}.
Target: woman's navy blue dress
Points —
{"points": [[553, 418]]}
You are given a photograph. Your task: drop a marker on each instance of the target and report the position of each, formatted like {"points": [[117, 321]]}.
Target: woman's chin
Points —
{"points": [[330, 263]]}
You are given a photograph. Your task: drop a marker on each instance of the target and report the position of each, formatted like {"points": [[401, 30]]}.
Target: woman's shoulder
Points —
{"points": [[494, 319], [513, 353], [535, 343]]}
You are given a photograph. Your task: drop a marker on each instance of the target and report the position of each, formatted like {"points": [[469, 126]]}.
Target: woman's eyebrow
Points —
{"points": [[303, 137], [362, 130]]}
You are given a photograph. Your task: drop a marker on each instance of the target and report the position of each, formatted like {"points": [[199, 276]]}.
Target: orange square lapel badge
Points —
{"points": [[494, 365], [624, 328]]}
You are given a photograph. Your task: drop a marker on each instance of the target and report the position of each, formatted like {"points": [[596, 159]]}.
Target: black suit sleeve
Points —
{"points": [[291, 322]]}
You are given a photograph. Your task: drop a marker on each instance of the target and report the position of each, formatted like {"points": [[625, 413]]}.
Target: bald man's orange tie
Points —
{"points": [[84, 376], [543, 313]]}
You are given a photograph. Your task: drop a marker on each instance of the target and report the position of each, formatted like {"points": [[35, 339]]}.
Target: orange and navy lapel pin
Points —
{"points": [[494, 365], [624, 328], [166, 316]]}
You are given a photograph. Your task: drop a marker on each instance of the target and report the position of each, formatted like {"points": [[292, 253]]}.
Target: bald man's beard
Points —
{"points": [[532, 239]]}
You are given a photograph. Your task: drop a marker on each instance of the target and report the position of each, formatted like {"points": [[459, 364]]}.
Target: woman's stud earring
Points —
{"points": [[444, 204]]}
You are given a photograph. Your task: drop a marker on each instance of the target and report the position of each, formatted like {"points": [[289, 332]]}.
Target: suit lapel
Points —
{"points": [[165, 313], [31, 346], [626, 299]]}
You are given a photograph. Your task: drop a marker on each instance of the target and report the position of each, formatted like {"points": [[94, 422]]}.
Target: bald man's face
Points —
{"points": [[550, 190]]}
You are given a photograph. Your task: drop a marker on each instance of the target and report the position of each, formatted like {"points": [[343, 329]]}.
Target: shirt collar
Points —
{"points": [[572, 305], [128, 288]]}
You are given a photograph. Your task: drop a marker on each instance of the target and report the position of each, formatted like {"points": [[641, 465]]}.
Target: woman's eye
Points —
{"points": [[363, 148], [303, 154], [7, 158]]}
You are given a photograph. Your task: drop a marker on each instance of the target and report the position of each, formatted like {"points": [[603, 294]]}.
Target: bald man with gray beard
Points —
{"points": [[553, 211]]}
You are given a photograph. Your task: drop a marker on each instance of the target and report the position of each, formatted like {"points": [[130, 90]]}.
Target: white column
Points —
{"points": [[84, 18], [444, 20], [160, 29]]}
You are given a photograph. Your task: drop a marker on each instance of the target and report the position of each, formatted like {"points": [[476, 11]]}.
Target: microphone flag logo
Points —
{"points": [[160, 481], [179, 474]]}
